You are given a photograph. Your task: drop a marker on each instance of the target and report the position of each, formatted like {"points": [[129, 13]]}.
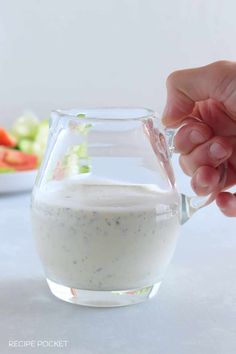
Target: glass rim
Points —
{"points": [[107, 113]]}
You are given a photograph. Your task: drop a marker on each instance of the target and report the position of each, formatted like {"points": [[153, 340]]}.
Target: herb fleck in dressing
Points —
{"points": [[105, 236]]}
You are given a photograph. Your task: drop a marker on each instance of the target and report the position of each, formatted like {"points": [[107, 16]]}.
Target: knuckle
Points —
{"points": [[222, 65], [173, 77], [224, 81]]}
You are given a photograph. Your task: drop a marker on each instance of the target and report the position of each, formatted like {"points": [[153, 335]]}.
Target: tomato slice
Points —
{"points": [[6, 139], [17, 160]]}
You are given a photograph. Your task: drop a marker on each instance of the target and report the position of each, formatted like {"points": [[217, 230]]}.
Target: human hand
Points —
{"points": [[209, 94]]}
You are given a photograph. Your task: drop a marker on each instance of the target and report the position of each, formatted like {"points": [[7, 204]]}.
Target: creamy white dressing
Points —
{"points": [[100, 235]]}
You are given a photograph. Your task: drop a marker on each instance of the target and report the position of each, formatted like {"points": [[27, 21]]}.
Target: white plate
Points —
{"points": [[17, 181]]}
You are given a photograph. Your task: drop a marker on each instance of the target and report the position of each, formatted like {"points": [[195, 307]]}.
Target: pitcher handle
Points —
{"points": [[190, 204]]}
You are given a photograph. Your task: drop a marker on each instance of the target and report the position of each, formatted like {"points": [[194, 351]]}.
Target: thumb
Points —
{"points": [[186, 87]]}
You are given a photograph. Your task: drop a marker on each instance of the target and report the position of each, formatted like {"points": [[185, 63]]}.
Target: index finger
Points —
{"points": [[186, 87]]}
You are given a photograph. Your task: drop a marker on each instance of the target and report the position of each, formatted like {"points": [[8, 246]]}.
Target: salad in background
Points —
{"points": [[22, 147]]}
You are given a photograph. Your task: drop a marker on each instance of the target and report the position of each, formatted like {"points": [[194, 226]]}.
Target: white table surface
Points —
{"points": [[194, 312]]}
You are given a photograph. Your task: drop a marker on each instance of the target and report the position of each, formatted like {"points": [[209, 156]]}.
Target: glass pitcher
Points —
{"points": [[105, 209]]}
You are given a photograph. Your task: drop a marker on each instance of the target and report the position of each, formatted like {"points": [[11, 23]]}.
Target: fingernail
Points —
{"points": [[217, 151], [196, 137], [201, 183]]}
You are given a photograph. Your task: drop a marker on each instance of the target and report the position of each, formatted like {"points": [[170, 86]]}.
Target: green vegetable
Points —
{"points": [[41, 138], [30, 147], [31, 143], [75, 161], [84, 128], [84, 169], [80, 150], [26, 145], [6, 169], [26, 126], [80, 115]]}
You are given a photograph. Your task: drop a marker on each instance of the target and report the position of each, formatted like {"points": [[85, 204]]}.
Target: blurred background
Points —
{"points": [[65, 54], [62, 54]]}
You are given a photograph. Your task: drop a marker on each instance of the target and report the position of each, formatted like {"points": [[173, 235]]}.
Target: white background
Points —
{"points": [[68, 53]]}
